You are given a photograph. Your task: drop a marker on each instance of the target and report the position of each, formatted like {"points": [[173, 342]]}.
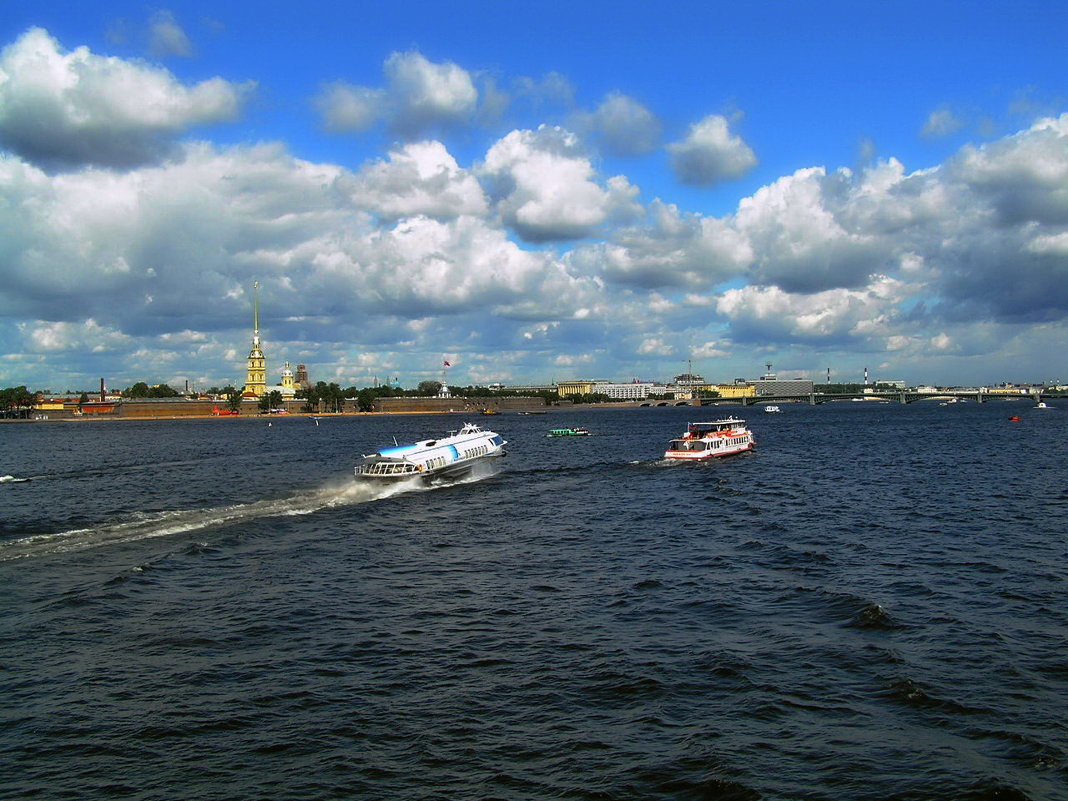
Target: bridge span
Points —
{"points": [[898, 396]]}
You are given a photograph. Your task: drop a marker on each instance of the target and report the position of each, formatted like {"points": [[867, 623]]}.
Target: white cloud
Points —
{"points": [[349, 109], [672, 249], [166, 37], [655, 346], [800, 243], [710, 350], [711, 154], [428, 94], [1054, 244], [418, 179], [624, 126], [545, 189], [941, 122], [420, 97], [73, 109], [770, 314], [86, 335], [553, 87]]}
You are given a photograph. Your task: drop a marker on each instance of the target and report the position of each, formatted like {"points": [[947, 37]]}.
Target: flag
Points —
{"points": [[447, 364]]}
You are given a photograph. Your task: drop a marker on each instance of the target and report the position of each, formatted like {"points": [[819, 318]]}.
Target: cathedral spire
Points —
{"points": [[256, 377], [256, 313]]}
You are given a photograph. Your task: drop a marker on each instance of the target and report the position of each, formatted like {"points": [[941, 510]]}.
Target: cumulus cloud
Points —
{"points": [[135, 248], [800, 242], [428, 94], [418, 179], [624, 126], [544, 186], [66, 110], [420, 97], [670, 248], [1024, 176], [87, 335], [770, 314], [710, 153]]}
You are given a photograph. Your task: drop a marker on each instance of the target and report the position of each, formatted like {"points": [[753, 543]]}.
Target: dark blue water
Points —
{"points": [[872, 605]]}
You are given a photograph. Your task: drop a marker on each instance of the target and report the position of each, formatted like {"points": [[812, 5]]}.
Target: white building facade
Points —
{"points": [[632, 391]]}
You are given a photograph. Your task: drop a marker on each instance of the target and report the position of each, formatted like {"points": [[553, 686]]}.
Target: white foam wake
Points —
{"points": [[147, 525]]}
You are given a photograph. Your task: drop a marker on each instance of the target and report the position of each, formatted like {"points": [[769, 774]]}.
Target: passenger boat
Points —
{"points": [[708, 440], [576, 431], [448, 457]]}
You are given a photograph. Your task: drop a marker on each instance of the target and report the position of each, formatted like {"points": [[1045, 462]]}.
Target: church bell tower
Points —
{"points": [[256, 379]]}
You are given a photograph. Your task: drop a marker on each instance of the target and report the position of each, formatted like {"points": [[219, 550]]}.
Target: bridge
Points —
{"points": [[898, 396]]}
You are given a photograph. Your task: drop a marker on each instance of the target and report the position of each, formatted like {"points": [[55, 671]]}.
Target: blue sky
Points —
{"points": [[533, 191]]}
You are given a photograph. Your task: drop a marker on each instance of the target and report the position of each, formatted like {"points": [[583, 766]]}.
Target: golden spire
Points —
{"points": [[256, 313], [256, 380]]}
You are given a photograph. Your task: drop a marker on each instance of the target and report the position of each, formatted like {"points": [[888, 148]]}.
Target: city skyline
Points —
{"points": [[533, 193]]}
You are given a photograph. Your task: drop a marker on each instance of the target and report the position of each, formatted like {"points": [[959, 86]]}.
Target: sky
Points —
{"points": [[533, 192]]}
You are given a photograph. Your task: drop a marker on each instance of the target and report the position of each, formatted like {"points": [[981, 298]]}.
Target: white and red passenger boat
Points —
{"points": [[709, 440]]}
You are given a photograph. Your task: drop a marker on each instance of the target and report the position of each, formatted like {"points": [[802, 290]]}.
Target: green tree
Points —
{"points": [[233, 398], [590, 397], [428, 389], [16, 401], [325, 397], [138, 390], [365, 400], [271, 400], [335, 397], [163, 391]]}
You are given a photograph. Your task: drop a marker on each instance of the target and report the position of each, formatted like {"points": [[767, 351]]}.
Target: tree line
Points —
{"points": [[331, 397], [320, 397]]}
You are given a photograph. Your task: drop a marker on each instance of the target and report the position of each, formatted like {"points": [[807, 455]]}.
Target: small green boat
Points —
{"points": [[577, 431]]}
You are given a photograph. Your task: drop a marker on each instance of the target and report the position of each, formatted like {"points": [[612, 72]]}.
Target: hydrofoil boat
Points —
{"points": [[448, 457]]}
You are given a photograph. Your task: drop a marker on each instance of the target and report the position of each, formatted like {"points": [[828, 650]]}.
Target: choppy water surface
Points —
{"points": [[870, 606]]}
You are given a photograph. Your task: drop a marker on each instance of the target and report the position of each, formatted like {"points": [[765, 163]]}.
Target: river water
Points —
{"points": [[871, 605]]}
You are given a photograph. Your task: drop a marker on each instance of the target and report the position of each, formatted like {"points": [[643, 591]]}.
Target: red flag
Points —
{"points": [[447, 364]]}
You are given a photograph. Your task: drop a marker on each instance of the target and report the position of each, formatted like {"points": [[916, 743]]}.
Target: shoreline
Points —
{"points": [[326, 415]]}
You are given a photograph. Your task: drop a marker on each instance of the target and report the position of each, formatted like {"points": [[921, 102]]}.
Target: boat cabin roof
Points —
{"points": [[715, 425]]}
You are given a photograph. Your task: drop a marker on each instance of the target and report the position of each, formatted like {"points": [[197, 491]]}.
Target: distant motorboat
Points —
{"points": [[772, 409], [575, 431], [1043, 405]]}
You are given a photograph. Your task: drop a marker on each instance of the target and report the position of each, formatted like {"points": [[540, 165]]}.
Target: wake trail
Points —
{"points": [[149, 525]]}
